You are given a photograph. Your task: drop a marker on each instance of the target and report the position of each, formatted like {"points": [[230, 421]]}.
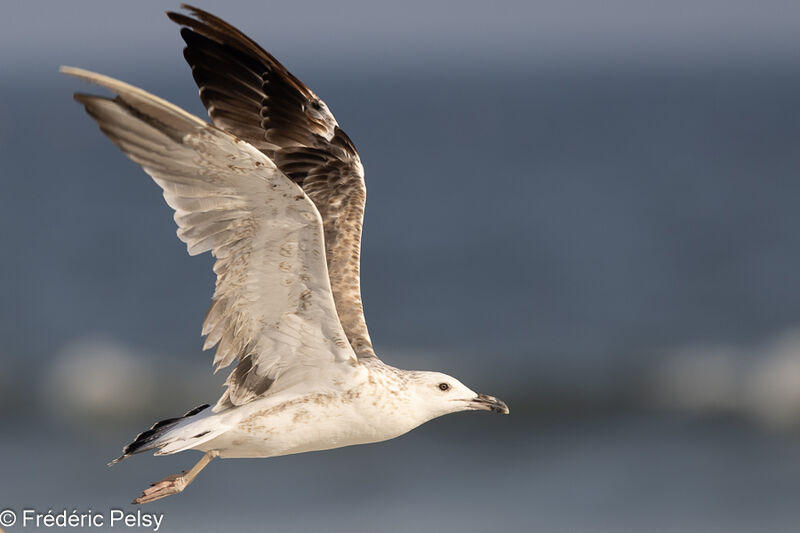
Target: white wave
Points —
{"points": [[772, 388], [761, 382], [98, 377], [704, 379]]}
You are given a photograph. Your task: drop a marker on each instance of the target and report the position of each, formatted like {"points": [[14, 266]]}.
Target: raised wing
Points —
{"points": [[273, 309], [250, 94]]}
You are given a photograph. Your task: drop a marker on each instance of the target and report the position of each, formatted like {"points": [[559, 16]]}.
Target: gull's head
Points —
{"points": [[439, 394]]}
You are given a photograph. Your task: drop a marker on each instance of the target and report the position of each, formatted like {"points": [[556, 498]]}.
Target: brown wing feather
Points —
{"points": [[249, 93]]}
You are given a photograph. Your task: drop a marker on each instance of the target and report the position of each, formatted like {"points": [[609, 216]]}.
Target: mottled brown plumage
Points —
{"points": [[249, 93]]}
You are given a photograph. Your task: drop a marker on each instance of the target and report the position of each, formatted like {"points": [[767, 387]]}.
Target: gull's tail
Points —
{"points": [[152, 438]]}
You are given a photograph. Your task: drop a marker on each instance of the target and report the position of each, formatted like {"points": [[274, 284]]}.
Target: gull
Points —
{"points": [[274, 189]]}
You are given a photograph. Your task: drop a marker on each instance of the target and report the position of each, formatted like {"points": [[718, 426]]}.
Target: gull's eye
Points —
{"points": [[444, 386]]}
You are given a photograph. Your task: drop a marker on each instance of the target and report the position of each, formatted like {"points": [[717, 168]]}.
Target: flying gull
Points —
{"points": [[274, 189]]}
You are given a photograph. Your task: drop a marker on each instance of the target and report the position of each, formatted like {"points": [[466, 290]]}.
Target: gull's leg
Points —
{"points": [[176, 482]]}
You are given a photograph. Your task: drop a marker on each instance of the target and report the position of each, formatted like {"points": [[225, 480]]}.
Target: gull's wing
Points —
{"points": [[273, 309], [250, 94]]}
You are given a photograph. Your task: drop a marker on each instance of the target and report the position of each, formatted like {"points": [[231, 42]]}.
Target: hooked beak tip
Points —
{"points": [[489, 403]]}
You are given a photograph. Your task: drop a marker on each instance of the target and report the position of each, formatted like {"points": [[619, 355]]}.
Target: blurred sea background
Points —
{"points": [[587, 209]]}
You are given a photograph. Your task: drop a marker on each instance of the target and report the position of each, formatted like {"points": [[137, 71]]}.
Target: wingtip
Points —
{"points": [[173, 15], [194, 9], [69, 71], [82, 73], [83, 98]]}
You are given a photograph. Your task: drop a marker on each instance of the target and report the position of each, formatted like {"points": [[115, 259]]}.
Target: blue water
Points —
{"points": [[545, 234], [463, 473], [540, 214]]}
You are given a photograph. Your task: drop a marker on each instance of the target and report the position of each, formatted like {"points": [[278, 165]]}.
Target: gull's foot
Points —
{"points": [[176, 482], [161, 489]]}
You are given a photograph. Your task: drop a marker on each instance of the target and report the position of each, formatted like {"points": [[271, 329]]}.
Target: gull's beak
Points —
{"points": [[489, 403]]}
